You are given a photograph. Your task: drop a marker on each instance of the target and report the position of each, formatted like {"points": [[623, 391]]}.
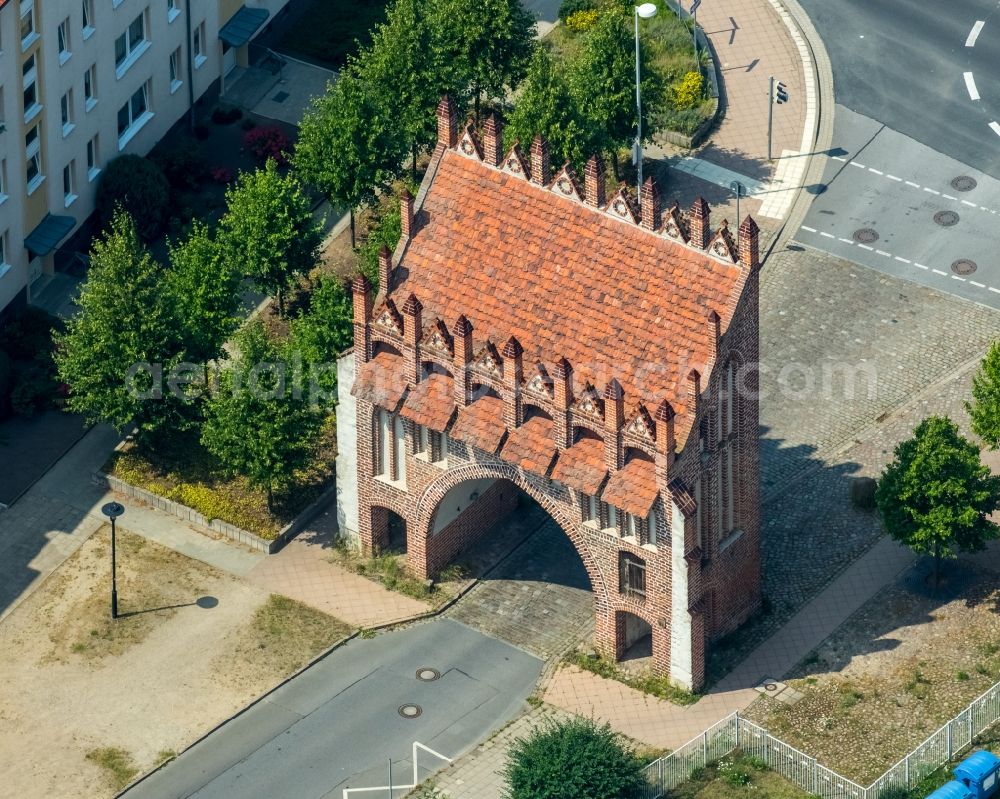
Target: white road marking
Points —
{"points": [[911, 183], [956, 277], [932, 191], [983, 208], [883, 252], [866, 247], [966, 202], [939, 272], [838, 158], [970, 84], [828, 235], [873, 169], [919, 266], [949, 197], [995, 291], [996, 127], [904, 260], [893, 177], [810, 229], [847, 241], [859, 166], [974, 33], [977, 285]]}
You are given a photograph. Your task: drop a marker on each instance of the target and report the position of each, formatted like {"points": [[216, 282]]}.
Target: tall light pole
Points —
{"points": [[113, 510], [646, 11]]}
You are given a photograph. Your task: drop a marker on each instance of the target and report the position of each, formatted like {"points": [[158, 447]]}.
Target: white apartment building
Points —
{"points": [[83, 81]]}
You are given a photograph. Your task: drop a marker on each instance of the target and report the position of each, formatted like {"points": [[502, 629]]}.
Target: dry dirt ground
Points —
{"points": [[893, 673], [86, 702]]}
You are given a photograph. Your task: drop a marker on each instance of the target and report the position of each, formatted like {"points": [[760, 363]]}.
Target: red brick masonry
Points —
{"points": [[599, 355]]}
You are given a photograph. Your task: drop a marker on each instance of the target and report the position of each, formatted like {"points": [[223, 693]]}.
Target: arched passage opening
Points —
{"points": [[388, 531], [634, 637]]}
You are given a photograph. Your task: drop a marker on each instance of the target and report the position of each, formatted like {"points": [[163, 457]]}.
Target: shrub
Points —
{"points": [[268, 142], [29, 334], [221, 174], [582, 20], [248, 124], [139, 187], [226, 116], [183, 163], [689, 91], [570, 7], [735, 773], [574, 759], [34, 390]]}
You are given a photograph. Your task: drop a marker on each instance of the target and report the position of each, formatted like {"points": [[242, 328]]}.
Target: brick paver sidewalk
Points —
{"points": [[753, 40]]}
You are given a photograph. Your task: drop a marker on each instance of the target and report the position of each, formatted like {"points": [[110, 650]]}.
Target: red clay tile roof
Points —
{"points": [[582, 466], [431, 402], [531, 446], [632, 488], [481, 424], [565, 280], [381, 381]]}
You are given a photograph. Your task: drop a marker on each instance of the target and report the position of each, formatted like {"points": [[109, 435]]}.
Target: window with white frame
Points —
{"points": [[90, 87], [631, 526], [4, 266], [93, 158], [399, 435], [198, 46], [88, 18], [173, 11], [422, 441], [66, 113], [131, 44], [69, 183], [28, 33], [29, 80], [62, 39], [652, 527], [134, 114], [33, 159], [612, 518], [383, 444], [175, 70], [3, 180], [591, 508]]}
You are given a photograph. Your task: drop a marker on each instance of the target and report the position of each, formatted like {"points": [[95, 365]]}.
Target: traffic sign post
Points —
{"points": [[694, 32], [776, 95]]}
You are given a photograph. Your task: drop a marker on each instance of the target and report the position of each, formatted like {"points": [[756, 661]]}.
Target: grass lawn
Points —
{"points": [[331, 30], [648, 683], [389, 570], [737, 777], [182, 471]]}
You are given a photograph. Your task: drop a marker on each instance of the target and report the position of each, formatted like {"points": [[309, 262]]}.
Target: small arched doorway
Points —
{"points": [[635, 637], [389, 535]]}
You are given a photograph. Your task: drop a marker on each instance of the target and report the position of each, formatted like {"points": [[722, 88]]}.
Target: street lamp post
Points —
{"points": [[646, 11], [740, 191], [113, 510]]}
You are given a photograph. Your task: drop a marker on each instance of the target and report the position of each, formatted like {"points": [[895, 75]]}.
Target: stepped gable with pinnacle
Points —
{"points": [[532, 333]]}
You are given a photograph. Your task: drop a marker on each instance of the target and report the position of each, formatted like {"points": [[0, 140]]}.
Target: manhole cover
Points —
{"points": [[963, 266], [865, 236], [946, 218], [280, 97], [963, 183], [410, 711], [428, 674]]}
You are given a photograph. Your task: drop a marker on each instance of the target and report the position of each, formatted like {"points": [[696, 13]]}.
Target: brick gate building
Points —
{"points": [[531, 332]]}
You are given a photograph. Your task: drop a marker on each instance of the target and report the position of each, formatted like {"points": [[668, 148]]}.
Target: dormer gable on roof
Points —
{"points": [[641, 425], [567, 184], [515, 163], [488, 361], [389, 319], [590, 405], [722, 245], [439, 340], [623, 206], [675, 226], [469, 143], [538, 382]]}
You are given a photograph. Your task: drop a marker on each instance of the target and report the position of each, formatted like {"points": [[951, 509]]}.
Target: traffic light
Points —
{"points": [[779, 93]]}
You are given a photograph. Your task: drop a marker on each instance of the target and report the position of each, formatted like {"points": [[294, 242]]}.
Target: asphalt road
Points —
{"points": [[337, 725], [903, 62]]}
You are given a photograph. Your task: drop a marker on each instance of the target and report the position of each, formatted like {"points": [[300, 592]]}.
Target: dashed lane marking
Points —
{"points": [[899, 258], [970, 204], [932, 191], [970, 40], [859, 166], [873, 169], [970, 84], [995, 126], [893, 177], [949, 197]]}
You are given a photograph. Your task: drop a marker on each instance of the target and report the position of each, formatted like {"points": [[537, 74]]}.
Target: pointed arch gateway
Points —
{"points": [[424, 559]]}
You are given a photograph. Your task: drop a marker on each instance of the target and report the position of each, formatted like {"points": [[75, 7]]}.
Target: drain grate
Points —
{"points": [[963, 183], [428, 674], [865, 236], [410, 711], [963, 266], [946, 218], [280, 97]]}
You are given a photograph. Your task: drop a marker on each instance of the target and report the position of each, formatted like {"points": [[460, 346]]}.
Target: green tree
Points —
{"points": [[602, 76], [486, 46], [349, 145], [936, 495], [574, 759], [205, 288], [984, 410], [547, 106], [268, 232], [137, 186], [324, 331], [257, 422], [125, 320]]}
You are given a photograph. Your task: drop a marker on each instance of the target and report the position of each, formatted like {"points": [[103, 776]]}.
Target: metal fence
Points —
{"points": [[805, 771]]}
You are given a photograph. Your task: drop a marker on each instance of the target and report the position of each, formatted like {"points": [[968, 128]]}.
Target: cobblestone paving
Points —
{"points": [[923, 346], [537, 599]]}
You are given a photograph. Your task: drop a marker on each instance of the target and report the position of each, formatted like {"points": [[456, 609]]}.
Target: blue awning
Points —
{"points": [[50, 231], [242, 25]]}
